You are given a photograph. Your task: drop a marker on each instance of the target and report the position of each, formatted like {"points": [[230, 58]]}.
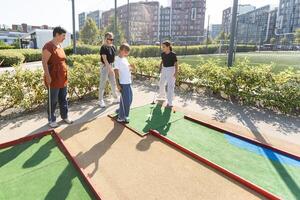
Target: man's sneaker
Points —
{"points": [[120, 120], [53, 124], [116, 100], [67, 121], [102, 104]]}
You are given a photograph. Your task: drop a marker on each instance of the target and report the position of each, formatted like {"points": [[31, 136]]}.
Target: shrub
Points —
{"points": [[31, 55], [252, 85], [155, 51], [9, 58], [83, 49], [20, 55]]}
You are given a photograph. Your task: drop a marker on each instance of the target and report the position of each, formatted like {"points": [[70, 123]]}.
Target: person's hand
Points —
{"points": [[48, 79], [119, 87]]}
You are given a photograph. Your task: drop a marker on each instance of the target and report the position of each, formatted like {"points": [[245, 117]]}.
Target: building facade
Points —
{"points": [[25, 28], [215, 30], [227, 15], [81, 20], [94, 15], [288, 16], [257, 26], [165, 23], [140, 21], [187, 21]]}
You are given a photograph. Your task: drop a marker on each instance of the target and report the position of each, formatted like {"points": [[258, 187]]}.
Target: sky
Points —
{"points": [[59, 12]]}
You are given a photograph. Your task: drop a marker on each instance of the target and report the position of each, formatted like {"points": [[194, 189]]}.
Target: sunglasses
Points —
{"points": [[110, 39]]}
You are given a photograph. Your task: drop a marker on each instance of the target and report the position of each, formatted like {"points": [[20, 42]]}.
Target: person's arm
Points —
{"points": [[106, 63], [176, 69], [45, 58], [117, 79], [160, 66], [176, 66]]}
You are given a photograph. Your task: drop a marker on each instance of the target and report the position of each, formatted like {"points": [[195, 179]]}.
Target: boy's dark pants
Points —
{"points": [[126, 95]]}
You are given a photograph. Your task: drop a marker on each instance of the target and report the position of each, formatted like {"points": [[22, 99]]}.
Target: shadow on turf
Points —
{"points": [[225, 109], [164, 116], [9, 154]]}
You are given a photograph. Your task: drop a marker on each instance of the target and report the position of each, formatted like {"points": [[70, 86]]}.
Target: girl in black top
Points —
{"points": [[107, 54], [168, 72]]}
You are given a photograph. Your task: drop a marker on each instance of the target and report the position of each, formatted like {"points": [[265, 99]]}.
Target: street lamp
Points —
{"points": [[74, 32], [116, 23], [232, 32]]}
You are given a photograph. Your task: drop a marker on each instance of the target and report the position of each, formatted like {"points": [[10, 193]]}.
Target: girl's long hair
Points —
{"points": [[168, 44]]}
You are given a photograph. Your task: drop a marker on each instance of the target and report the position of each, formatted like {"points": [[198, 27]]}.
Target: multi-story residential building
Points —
{"points": [[165, 23], [288, 16], [257, 26], [187, 22], [94, 15], [227, 15], [143, 20], [25, 28], [215, 30], [81, 20]]}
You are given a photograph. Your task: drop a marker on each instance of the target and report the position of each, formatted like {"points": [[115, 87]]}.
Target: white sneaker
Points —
{"points": [[53, 124], [102, 104], [67, 121], [116, 100]]}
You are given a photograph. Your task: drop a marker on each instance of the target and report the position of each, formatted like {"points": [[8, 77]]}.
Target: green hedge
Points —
{"points": [[14, 57], [8, 58], [244, 83], [155, 51], [6, 47]]}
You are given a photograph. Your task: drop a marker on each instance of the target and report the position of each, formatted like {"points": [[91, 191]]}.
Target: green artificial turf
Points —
{"points": [[38, 170], [147, 117], [281, 179]]}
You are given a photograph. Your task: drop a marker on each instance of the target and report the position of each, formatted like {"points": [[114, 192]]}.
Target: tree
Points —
{"points": [[297, 36], [223, 36], [90, 34], [284, 41], [120, 35], [273, 41], [208, 40]]}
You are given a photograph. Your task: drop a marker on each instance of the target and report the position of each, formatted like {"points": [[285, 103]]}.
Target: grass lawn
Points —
{"points": [[280, 60]]}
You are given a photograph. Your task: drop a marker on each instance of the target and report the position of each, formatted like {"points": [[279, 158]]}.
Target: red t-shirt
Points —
{"points": [[57, 66]]}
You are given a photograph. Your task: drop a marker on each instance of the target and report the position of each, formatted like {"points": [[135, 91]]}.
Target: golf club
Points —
{"points": [[156, 91], [49, 103]]}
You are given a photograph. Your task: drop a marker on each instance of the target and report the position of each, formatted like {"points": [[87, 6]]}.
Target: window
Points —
{"points": [[194, 13]]}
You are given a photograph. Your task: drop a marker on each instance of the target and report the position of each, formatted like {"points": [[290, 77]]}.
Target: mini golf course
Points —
{"points": [[37, 169], [273, 172]]}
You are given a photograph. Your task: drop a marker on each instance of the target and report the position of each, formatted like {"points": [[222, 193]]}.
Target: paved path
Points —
{"points": [[261, 122]]}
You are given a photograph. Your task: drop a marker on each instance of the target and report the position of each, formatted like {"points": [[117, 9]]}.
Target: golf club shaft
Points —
{"points": [[49, 103]]}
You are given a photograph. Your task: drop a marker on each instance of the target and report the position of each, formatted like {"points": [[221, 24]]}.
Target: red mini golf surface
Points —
{"points": [[37, 169], [263, 167]]}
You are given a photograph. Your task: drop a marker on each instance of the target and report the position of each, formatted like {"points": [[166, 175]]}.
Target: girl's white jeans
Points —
{"points": [[167, 77]]}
